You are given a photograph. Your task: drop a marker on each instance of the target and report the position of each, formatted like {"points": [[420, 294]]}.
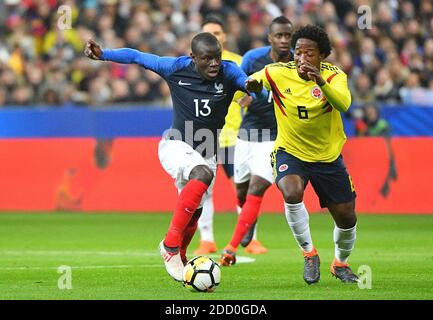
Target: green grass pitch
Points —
{"points": [[114, 256]]}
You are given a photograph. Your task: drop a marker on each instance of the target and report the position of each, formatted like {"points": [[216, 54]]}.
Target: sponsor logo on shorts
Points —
{"points": [[283, 167]]}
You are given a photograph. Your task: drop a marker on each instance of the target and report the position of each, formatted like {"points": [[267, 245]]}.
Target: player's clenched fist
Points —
{"points": [[253, 85], [93, 50]]}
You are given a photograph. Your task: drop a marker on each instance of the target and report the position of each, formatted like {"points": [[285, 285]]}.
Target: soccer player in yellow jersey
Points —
{"points": [[256, 138], [227, 140], [308, 97]]}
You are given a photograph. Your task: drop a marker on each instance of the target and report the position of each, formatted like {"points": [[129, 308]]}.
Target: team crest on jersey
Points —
{"points": [[316, 92], [219, 87], [283, 167]]}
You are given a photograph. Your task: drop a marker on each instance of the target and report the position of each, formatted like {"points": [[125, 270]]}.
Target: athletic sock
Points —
{"points": [[250, 211], [344, 240], [239, 210], [298, 220], [205, 223], [255, 231], [187, 203], [189, 232]]}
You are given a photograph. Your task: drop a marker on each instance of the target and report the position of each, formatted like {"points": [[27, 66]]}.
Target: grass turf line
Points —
{"points": [[114, 256]]}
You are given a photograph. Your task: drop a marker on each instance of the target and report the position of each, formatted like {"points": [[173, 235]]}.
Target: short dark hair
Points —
{"points": [[213, 18], [316, 34], [279, 20], [203, 38]]}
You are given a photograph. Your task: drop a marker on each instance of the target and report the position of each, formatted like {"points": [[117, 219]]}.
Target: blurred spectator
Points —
{"points": [[2, 97], [22, 95], [120, 91], [384, 89], [369, 122], [42, 64], [362, 92]]}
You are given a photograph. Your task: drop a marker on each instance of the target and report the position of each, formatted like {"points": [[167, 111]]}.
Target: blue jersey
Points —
{"points": [[199, 105], [260, 113]]}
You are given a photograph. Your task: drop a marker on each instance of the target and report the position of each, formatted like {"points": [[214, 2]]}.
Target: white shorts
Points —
{"points": [[253, 158], [178, 159]]}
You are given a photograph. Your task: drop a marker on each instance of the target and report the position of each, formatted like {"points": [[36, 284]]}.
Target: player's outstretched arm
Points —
{"points": [[124, 55], [161, 65]]}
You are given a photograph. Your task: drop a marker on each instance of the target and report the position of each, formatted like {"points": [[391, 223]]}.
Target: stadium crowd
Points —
{"points": [[42, 61]]}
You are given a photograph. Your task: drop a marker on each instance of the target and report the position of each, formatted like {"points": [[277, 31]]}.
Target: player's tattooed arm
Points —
{"points": [[93, 50]]}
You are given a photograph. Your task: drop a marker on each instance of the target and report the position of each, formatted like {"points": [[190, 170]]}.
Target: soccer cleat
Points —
{"points": [[343, 272], [248, 236], [206, 247], [311, 266], [173, 262], [228, 257], [255, 247]]}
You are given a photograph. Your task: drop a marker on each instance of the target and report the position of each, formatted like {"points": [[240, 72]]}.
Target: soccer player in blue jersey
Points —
{"points": [[227, 141], [253, 170], [202, 87]]}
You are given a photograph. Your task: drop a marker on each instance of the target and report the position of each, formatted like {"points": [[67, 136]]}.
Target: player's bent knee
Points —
{"points": [[241, 198], [202, 173], [346, 222], [293, 195], [292, 188], [258, 189], [344, 215], [241, 192], [349, 219]]}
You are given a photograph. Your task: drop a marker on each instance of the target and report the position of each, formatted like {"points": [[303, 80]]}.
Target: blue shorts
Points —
{"points": [[330, 180]]}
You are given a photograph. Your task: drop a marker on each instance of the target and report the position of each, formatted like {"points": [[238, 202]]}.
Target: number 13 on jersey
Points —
{"points": [[202, 107]]}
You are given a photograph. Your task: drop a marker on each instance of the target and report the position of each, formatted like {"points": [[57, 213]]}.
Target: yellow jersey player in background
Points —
{"points": [[308, 97], [227, 140]]}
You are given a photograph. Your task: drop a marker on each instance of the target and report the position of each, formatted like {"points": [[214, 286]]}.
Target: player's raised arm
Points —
{"points": [[335, 88], [337, 93], [160, 65]]}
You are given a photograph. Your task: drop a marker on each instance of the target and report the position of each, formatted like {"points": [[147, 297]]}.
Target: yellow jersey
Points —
{"points": [[308, 115], [235, 113]]}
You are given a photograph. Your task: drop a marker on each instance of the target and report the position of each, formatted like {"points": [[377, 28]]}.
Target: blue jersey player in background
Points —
{"points": [[202, 87], [253, 173]]}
